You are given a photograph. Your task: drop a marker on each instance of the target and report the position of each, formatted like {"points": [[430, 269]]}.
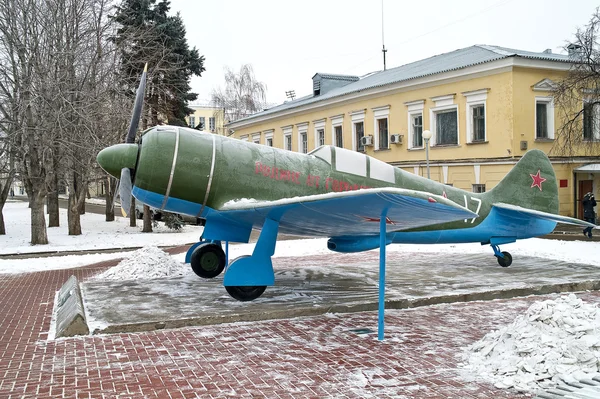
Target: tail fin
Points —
{"points": [[531, 183]]}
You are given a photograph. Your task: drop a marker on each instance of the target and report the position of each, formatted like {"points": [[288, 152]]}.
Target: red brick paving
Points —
{"points": [[312, 357]]}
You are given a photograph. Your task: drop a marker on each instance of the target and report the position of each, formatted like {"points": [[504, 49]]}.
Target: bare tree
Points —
{"points": [[577, 95], [243, 95], [7, 173]]}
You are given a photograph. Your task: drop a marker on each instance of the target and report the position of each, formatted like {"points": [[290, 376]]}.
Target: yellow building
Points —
{"points": [[210, 118], [485, 106]]}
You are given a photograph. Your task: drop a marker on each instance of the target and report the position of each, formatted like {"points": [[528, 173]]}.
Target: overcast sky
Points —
{"points": [[287, 42]]}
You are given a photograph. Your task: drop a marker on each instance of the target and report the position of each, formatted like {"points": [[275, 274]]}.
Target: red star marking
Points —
{"points": [[444, 194], [387, 220], [537, 180]]}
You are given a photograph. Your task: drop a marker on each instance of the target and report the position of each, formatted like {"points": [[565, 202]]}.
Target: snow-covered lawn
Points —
{"points": [[97, 235]]}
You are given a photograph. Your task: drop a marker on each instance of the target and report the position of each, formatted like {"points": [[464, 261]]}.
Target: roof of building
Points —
{"points": [[454, 60]]}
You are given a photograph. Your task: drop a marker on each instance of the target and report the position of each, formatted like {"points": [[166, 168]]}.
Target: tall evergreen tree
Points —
{"points": [[147, 34]]}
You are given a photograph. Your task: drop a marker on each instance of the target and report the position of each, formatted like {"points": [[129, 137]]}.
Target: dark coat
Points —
{"points": [[588, 207]]}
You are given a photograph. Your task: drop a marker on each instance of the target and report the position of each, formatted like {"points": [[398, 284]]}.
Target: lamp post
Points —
{"points": [[426, 137]]}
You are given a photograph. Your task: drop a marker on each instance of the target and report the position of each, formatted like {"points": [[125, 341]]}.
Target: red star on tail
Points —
{"points": [[537, 180]]}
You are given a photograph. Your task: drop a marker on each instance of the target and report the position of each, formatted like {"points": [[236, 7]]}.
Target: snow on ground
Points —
{"points": [[555, 340], [148, 262], [97, 235]]}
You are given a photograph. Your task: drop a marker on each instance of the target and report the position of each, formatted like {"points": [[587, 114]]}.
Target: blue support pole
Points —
{"points": [[226, 253], [380, 317]]}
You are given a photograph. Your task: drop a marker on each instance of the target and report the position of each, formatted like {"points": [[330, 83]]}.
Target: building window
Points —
{"points": [[270, 142], [304, 142], [416, 122], [359, 133], [202, 122], [192, 121], [320, 137], [478, 122], [382, 133], [591, 121], [288, 142], [479, 188], [446, 127], [211, 123], [476, 107], [544, 118], [339, 138]]}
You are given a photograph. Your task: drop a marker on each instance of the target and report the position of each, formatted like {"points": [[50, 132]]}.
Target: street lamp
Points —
{"points": [[426, 137]]}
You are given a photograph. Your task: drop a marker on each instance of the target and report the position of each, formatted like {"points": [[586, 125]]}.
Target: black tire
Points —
{"points": [[506, 261], [246, 294], [138, 214], [208, 260]]}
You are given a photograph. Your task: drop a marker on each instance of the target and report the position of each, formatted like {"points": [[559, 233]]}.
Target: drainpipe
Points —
{"points": [[574, 194]]}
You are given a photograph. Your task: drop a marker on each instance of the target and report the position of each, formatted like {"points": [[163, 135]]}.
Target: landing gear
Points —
{"points": [[504, 258], [247, 277], [244, 294], [208, 260], [506, 261]]}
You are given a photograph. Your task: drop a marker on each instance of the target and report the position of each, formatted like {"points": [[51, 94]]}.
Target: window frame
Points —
{"points": [[415, 109], [302, 130], [478, 186], [549, 101], [192, 121], [595, 122], [434, 141], [380, 113], [269, 138], [476, 98], [202, 120], [287, 138], [319, 127], [357, 117], [335, 136]]}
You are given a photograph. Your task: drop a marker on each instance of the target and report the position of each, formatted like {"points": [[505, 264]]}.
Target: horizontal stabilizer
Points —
{"points": [[544, 215]]}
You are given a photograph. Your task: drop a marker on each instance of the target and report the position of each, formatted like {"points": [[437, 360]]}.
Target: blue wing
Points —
{"points": [[353, 213]]}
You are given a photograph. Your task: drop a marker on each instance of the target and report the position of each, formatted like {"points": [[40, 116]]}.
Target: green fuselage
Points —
{"points": [[243, 170]]}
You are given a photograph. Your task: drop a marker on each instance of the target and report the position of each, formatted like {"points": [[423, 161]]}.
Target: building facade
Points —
{"points": [[206, 118], [484, 105]]}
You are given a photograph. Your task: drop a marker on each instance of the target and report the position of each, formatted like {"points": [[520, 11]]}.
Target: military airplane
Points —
{"points": [[358, 202]]}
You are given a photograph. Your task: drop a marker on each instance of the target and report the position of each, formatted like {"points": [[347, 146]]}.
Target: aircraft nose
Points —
{"points": [[117, 157]]}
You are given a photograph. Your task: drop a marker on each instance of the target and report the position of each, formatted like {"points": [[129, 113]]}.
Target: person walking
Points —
{"points": [[589, 202]]}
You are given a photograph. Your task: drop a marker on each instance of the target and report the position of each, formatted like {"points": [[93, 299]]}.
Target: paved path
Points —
{"points": [[311, 357]]}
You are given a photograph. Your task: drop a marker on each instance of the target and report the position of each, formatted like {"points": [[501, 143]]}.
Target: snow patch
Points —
{"points": [[555, 340], [149, 262]]}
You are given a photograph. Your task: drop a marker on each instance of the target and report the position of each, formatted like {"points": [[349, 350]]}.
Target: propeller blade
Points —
{"points": [[125, 188], [137, 108]]}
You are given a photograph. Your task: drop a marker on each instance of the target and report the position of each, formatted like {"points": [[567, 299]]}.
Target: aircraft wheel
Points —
{"points": [[138, 214], [245, 294], [208, 260], [506, 261]]}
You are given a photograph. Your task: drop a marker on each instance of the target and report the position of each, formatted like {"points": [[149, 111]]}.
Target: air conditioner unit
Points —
{"points": [[366, 140], [396, 138], [523, 145]]}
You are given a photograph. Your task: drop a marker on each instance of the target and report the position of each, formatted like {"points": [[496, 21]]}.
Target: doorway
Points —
{"points": [[585, 186]]}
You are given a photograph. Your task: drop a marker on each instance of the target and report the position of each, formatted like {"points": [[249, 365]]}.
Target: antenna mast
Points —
{"points": [[383, 37]]}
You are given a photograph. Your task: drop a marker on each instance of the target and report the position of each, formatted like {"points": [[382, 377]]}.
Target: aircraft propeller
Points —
{"points": [[125, 183]]}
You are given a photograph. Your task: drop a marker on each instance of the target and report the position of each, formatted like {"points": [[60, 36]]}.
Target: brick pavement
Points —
{"points": [[312, 357]]}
